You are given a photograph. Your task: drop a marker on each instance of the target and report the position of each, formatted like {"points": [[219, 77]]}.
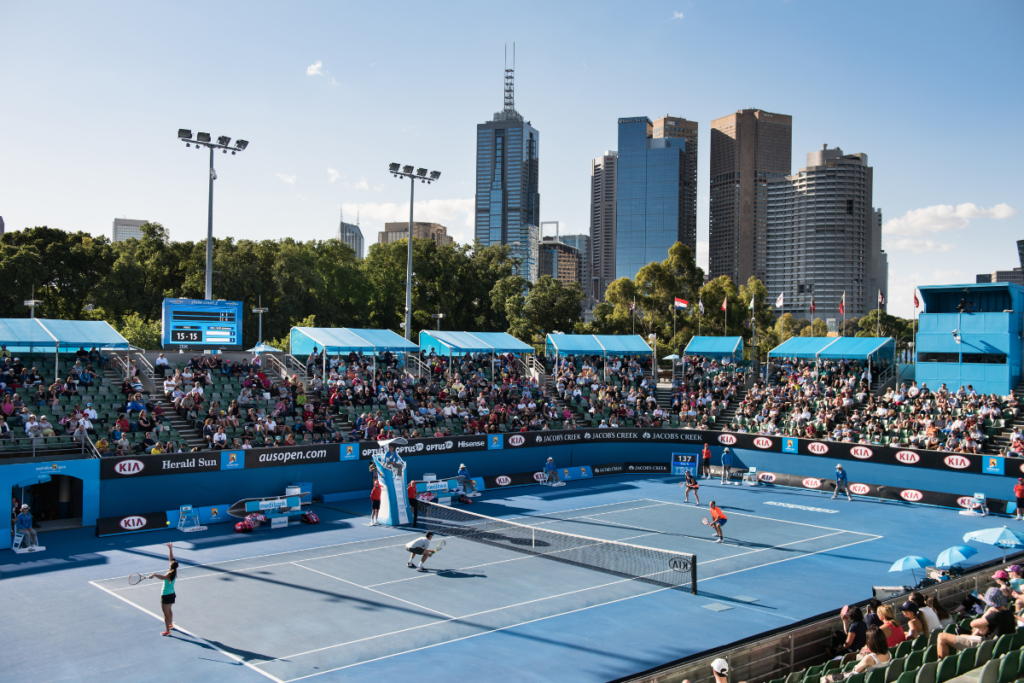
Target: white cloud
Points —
{"points": [[315, 69], [900, 297], [917, 246], [702, 255], [678, 15], [290, 179], [943, 217], [362, 184], [454, 214], [334, 175]]}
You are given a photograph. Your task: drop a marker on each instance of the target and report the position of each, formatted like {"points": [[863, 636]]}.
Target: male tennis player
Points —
{"points": [[421, 547], [718, 520], [841, 481], [691, 485], [550, 472]]}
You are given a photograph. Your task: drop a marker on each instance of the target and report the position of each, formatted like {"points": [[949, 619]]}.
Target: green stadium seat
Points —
{"points": [[984, 652], [1018, 640], [914, 660], [966, 661], [907, 677], [856, 678], [904, 649], [795, 677], [876, 676], [990, 672], [1003, 645], [896, 667], [947, 669], [1009, 666]]}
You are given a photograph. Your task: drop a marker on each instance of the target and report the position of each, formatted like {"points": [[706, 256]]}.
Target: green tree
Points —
{"points": [[552, 306], [139, 331]]}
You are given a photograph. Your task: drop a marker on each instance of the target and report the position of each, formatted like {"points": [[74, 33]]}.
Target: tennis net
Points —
{"points": [[649, 565]]}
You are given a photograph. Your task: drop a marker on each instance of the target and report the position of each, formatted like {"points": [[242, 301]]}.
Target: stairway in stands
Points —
{"points": [[999, 442], [186, 431]]}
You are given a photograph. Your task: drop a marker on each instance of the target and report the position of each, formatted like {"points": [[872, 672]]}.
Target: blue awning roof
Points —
{"points": [[345, 340], [849, 348], [444, 343], [714, 346], [25, 334], [598, 344]]}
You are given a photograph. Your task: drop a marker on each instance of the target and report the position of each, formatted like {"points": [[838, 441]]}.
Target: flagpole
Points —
{"points": [[913, 352], [878, 315], [842, 302], [700, 315]]}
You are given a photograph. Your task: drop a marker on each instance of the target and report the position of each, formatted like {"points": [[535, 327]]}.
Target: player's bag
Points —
{"points": [[243, 527], [310, 518], [256, 518], [464, 499]]}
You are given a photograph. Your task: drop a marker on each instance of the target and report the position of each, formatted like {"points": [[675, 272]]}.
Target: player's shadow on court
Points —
{"points": [[212, 646]]}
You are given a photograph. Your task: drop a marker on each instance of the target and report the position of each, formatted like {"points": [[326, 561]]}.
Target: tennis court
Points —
{"points": [[341, 609]]}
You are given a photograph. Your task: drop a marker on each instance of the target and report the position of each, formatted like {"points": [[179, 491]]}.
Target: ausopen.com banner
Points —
{"points": [[135, 466]]}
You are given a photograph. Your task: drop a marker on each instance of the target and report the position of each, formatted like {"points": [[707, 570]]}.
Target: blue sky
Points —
{"points": [[329, 93]]}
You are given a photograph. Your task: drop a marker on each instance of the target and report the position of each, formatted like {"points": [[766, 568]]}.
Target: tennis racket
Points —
{"points": [[134, 579], [440, 546], [705, 521]]}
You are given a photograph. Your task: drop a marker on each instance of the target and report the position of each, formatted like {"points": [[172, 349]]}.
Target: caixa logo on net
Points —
{"points": [[817, 448], [766, 477], [516, 440], [862, 452], [129, 466], [727, 439], [133, 523], [911, 495], [812, 483], [908, 457], [860, 489], [957, 462], [503, 480], [763, 442]]}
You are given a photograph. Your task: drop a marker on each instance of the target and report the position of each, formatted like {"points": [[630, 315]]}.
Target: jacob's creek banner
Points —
{"points": [[216, 461]]}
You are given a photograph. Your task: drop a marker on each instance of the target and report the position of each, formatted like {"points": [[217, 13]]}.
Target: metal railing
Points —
{"points": [[41, 448], [272, 364], [789, 651], [295, 367]]}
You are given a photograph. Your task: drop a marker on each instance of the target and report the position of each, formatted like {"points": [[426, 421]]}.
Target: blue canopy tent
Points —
{"points": [[450, 343], [869, 349], [21, 335], [715, 347], [603, 345], [340, 340]]}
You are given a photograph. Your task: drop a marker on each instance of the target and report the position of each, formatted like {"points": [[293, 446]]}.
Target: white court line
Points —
{"points": [[283, 552], [770, 519], [774, 547], [588, 507], [569, 519], [488, 564], [338, 578], [788, 559], [467, 616], [276, 564], [189, 633]]}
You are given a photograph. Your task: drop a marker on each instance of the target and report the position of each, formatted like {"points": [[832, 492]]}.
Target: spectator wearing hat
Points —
{"points": [[467, 482], [916, 625], [24, 527], [726, 465], [995, 622], [720, 668]]}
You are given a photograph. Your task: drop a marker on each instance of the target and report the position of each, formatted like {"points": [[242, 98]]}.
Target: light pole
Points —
{"points": [[32, 303], [420, 174], [437, 317], [260, 310], [223, 143]]}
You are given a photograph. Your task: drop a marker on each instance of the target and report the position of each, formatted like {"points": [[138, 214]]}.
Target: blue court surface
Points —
{"points": [[337, 602]]}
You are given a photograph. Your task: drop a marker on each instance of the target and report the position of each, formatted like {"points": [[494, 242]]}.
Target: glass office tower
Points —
{"points": [[650, 196]]}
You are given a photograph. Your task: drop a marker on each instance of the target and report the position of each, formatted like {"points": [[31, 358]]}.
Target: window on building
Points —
{"points": [[987, 358], [935, 357]]}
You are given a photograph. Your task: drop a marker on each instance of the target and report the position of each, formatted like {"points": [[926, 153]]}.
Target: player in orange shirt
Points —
{"points": [[718, 520]]}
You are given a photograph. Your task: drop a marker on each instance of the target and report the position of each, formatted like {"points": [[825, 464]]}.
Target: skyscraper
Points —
{"points": [[675, 127], [651, 212], [824, 237], [582, 244], [507, 189], [748, 148], [126, 229], [352, 235], [559, 260], [400, 231], [603, 175]]}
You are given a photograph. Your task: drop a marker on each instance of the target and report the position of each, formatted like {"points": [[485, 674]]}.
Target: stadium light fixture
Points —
{"points": [[224, 144], [419, 174]]}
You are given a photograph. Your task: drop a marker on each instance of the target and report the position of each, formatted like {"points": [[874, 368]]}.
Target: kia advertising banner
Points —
{"points": [[130, 524], [502, 481], [215, 461]]}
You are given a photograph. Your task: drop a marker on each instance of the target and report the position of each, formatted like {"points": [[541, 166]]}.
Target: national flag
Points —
{"points": [[881, 298], [916, 302], [632, 306], [812, 304], [682, 303], [751, 303], [725, 304], [842, 305], [700, 302], [780, 300]]}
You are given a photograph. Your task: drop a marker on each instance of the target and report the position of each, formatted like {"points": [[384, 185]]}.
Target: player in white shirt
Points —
{"points": [[421, 547]]}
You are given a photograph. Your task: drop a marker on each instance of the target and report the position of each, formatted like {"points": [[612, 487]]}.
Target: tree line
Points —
{"points": [[322, 284]]}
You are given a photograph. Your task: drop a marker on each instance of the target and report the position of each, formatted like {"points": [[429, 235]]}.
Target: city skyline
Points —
{"points": [[317, 116]]}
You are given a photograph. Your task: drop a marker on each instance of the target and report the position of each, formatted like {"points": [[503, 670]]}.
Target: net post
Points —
{"points": [[533, 539], [693, 574]]}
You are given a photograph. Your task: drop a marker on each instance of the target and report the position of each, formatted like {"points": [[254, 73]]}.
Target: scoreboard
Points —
{"points": [[202, 324]]}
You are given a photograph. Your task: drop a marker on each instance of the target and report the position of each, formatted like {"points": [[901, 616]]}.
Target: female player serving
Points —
{"points": [[167, 596]]}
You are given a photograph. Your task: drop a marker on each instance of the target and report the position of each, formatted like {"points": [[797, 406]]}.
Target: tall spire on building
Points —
{"points": [[510, 78]]}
